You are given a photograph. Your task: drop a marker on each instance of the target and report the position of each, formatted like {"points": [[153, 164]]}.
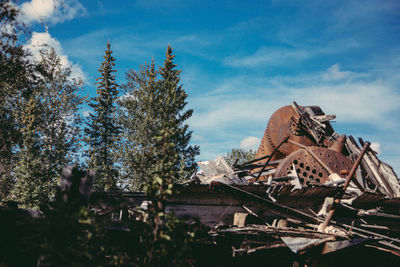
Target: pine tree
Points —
{"points": [[139, 117], [103, 130], [49, 127], [14, 69], [173, 118], [156, 138], [31, 187]]}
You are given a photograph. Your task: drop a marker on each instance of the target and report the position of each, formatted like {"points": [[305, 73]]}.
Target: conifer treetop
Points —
{"points": [[103, 131], [167, 71]]}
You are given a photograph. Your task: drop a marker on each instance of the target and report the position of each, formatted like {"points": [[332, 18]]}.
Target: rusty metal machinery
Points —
{"points": [[283, 123], [266, 148], [292, 121], [277, 129], [307, 167]]}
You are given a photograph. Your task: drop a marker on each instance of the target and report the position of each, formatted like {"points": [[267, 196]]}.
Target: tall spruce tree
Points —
{"points": [[103, 130], [156, 145], [49, 128], [139, 116], [31, 188], [173, 127]]}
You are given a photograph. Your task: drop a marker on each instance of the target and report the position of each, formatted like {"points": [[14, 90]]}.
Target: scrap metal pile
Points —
{"points": [[308, 190], [310, 197]]}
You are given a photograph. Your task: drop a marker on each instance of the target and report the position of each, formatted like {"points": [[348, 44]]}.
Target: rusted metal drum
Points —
{"points": [[308, 169]]}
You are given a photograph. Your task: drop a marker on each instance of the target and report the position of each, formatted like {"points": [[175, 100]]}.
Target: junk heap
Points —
{"points": [[310, 197], [309, 191]]}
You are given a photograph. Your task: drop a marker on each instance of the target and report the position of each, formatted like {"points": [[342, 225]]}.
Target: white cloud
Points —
{"points": [[86, 113], [227, 112], [376, 147], [40, 40], [357, 102], [43, 40], [354, 98], [38, 9], [52, 11], [334, 73], [126, 96], [353, 15], [283, 56], [268, 56], [250, 142], [369, 104]]}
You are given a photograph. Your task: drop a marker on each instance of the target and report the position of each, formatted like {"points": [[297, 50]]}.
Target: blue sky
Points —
{"points": [[242, 60]]}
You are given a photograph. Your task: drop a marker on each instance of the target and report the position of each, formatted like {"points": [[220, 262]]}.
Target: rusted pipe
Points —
{"points": [[346, 183]]}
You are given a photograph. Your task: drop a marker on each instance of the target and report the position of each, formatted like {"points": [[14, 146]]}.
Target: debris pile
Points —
{"points": [[310, 197], [309, 190]]}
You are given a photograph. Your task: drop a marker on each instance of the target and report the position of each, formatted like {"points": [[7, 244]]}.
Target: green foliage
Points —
{"points": [[48, 127], [30, 188], [156, 153], [140, 124], [174, 130], [14, 73], [103, 129], [60, 99], [40, 132], [239, 155], [156, 138], [74, 236], [172, 243], [38, 115]]}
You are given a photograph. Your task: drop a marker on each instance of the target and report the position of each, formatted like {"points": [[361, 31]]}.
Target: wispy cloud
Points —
{"points": [[352, 15], [334, 73], [289, 56], [250, 142], [240, 71], [234, 114], [52, 11], [351, 99], [90, 47], [268, 56]]}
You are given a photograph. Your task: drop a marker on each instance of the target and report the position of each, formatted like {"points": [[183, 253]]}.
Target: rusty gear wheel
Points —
{"points": [[308, 169], [281, 125], [266, 148]]}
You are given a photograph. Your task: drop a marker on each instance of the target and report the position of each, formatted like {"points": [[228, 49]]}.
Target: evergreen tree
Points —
{"points": [[49, 128], [174, 103], [157, 138], [103, 130], [14, 69], [139, 117], [31, 189]]}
